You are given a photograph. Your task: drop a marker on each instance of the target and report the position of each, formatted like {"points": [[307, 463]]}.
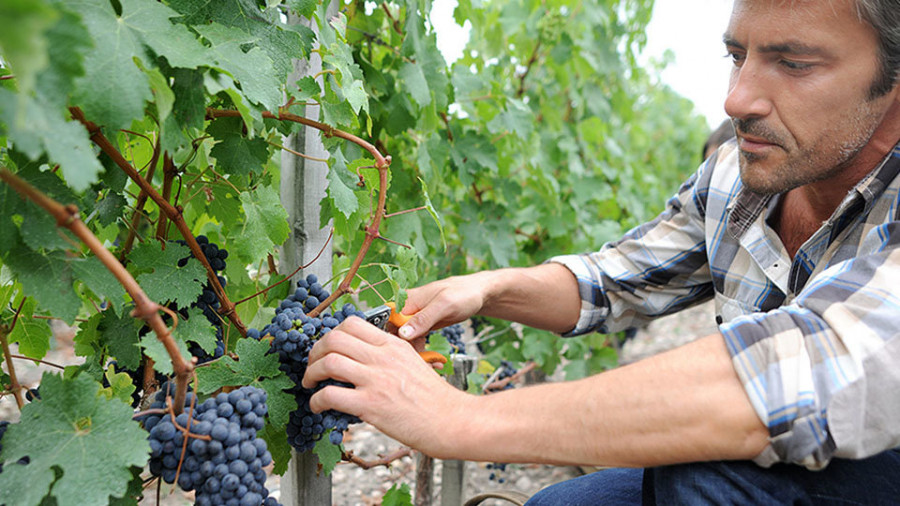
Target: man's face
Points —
{"points": [[799, 90]]}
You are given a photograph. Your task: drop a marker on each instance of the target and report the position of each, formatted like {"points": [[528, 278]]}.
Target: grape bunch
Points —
{"points": [[3, 426], [498, 470], [507, 370], [293, 334], [208, 302], [454, 334], [224, 465]]}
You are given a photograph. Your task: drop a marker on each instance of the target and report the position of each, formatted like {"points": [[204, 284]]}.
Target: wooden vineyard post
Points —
{"points": [[303, 183]]}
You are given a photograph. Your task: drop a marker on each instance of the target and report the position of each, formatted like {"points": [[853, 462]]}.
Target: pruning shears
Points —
{"points": [[387, 313]]}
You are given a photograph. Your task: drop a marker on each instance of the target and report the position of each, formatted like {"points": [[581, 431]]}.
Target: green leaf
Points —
{"points": [[235, 153], [66, 142], [254, 367], [265, 224], [397, 495], [303, 8], [47, 278], [308, 89], [165, 97], [90, 439], [156, 350], [196, 328], [189, 108], [329, 454], [121, 336], [40, 231], [33, 335], [23, 24], [109, 68], [413, 78], [277, 444], [252, 69], [167, 281], [120, 386], [340, 184], [98, 279]]}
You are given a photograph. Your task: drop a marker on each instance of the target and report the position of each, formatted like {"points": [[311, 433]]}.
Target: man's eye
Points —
{"points": [[736, 58], [794, 65]]}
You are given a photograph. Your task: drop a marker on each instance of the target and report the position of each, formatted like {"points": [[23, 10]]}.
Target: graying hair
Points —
{"points": [[884, 16]]}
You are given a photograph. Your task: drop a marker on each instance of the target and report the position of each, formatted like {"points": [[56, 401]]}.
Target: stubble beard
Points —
{"points": [[806, 164]]}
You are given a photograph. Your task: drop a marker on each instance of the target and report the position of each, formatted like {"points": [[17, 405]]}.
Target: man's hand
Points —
{"points": [[396, 390], [442, 303], [544, 296]]}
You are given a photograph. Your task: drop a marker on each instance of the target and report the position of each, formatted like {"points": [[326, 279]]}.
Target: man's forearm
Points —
{"points": [[544, 296], [683, 405]]}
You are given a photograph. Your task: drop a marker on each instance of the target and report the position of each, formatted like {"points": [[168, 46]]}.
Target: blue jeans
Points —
{"points": [[871, 481]]}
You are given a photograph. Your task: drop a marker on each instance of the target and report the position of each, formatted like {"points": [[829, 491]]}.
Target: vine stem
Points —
{"points": [[383, 460], [51, 364], [289, 276], [171, 212], [139, 205], [14, 381], [382, 164], [144, 308]]}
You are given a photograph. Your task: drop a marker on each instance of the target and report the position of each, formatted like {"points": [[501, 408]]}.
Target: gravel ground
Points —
{"points": [[354, 486]]}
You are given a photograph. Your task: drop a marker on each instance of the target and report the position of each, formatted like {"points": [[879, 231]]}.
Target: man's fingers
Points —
{"points": [[343, 399], [339, 341], [333, 366]]}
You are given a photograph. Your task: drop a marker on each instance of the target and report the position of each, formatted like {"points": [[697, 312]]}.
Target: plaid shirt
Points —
{"points": [[814, 340]]}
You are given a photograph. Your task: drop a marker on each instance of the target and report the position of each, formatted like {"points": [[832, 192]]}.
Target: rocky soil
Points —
{"points": [[354, 486]]}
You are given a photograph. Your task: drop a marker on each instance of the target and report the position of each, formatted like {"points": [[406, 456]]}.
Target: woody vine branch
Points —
{"points": [[144, 308]]}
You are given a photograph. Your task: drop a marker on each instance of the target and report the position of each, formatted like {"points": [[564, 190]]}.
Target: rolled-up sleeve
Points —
{"points": [[823, 373], [656, 269]]}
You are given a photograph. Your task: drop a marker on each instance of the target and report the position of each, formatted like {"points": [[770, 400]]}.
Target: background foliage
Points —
{"points": [[547, 137]]}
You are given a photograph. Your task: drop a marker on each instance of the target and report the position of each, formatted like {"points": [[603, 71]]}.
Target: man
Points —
{"points": [[791, 229]]}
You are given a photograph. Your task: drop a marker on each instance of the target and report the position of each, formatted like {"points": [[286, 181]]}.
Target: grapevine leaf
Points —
{"points": [[329, 454], [120, 333], [413, 78], [109, 68], [397, 495], [87, 340], [48, 278], [340, 182], [9, 203], [279, 403], [236, 153], [265, 224], [156, 350], [23, 24], [97, 277], [120, 386], [433, 212], [165, 97], [151, 22], [254, 364], [303, 8], [90, 439], [109, 209], [65, 142], [167, 281], [225, 203], [308, 88], [68, 41], [40, 231], [190, 104], [196, 328], [33, 335], [255, 367], [252, 69], [276, 441]]}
